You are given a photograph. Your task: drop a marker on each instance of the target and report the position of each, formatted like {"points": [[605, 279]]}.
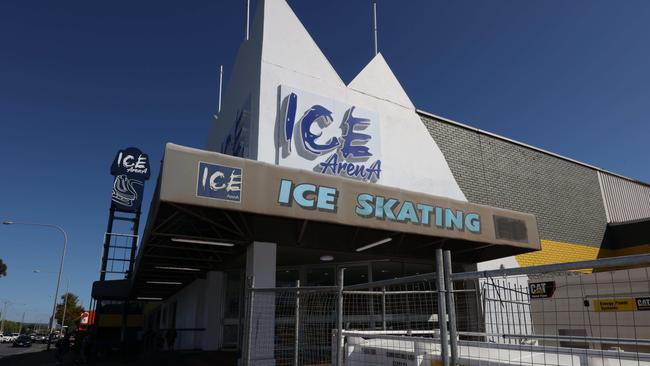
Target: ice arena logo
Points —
{"points": [[310, 138], [219, 182], [130, 169]]}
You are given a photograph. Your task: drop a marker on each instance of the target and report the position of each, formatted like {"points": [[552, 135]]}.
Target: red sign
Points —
{"points": [[87, 319]]}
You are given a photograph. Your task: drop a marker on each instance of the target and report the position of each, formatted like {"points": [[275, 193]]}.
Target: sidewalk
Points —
{"points": [[42, 358]]}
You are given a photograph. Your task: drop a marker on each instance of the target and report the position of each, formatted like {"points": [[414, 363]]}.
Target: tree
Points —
{"points": [[3, 268], [73, 310]]}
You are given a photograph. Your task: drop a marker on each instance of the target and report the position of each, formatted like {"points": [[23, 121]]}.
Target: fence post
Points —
{"points": [[451, 303], [249, 320], [383, 307], [442, 309], [296, 332], [339, 321]]}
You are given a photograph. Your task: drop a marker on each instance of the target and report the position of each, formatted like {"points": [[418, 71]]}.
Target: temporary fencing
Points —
{"points": [[580, 313]]}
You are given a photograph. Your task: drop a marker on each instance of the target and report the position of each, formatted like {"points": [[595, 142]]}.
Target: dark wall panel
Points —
{"points": [[564, 196]]}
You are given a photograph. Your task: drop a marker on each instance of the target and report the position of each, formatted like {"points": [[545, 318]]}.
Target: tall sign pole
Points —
{"points": [[130, 170]]}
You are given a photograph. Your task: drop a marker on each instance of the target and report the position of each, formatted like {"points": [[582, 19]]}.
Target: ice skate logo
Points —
{"points": [[219, 182], [131, 169], [125, 190]]}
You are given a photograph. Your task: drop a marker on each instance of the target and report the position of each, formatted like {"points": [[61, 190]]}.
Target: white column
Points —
{"points": [[214, 302], [260, 264]]}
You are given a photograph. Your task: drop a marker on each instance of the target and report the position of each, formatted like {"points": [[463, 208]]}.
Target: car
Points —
{"points": [[23, 341], [40, 338], [5, 338]]}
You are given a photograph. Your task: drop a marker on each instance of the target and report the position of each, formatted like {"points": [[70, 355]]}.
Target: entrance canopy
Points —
{"points": [[208, 207]]}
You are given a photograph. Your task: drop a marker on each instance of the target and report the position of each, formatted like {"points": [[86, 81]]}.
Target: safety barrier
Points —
{"points": [[579, 314]]}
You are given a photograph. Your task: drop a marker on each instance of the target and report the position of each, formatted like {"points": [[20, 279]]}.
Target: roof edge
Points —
{"points": [[523, 144]]}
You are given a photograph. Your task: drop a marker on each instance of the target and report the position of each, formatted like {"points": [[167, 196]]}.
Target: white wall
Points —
{"points": [[289, 56], [566, 309], [198, 305]]}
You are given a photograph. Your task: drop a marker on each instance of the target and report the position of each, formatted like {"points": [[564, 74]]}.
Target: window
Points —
{"points": [[355, 275], [412, 269], [321, 276], [386, 270], [287, 277]]}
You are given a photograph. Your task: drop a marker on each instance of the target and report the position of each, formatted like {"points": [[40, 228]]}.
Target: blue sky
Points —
{"points": [[80, 80]]}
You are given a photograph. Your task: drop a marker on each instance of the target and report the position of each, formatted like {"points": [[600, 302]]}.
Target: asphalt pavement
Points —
{"points": [[28, 356]]}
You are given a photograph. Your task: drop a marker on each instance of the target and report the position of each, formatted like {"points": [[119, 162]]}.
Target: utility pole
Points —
{"points": [[4, 315], [58, 280], [65, 305], [22, 321]]}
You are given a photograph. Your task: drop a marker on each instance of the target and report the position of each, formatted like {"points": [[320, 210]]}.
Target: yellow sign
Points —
{"points": [[625, 304]]}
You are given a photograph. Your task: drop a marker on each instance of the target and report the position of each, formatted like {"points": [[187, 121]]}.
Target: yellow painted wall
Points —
{"points": [[559, 252], [637, 249]]}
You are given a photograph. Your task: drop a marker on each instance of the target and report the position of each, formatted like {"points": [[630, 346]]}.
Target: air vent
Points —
{"points": [[507, 228]]}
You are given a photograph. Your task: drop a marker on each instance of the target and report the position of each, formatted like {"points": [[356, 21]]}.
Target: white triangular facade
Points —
{"points": [[285, 104]]}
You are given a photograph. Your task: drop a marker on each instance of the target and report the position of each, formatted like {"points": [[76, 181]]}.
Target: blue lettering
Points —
{"points": [[323, 116], [364, 205], [331, 165], [425, 212], [327, 198], [375, 169], [384, 208], [290, 117], [453, 219], [299, 195], [285, 191], [354, 142], [473, 222], [438, 216], [407, 212]]}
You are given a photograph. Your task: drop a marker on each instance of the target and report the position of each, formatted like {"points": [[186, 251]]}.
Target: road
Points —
{"points": [[28, 356]]}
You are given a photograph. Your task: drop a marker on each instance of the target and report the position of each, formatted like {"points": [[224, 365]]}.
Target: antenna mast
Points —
{"points": [[220, 85], [374, 23], [248, 16]]}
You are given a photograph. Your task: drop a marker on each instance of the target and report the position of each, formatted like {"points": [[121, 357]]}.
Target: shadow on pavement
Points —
{"points": [[42, 358], [47, 358]]}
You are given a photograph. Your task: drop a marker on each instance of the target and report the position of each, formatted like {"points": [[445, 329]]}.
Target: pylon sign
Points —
{"points": [[130, 169]]}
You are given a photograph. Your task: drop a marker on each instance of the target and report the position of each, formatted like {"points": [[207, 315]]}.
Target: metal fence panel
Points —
{"points": [[546, 315]]}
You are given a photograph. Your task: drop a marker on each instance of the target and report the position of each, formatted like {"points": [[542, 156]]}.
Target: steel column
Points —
{"points": [[442, 309], [452, 307]]}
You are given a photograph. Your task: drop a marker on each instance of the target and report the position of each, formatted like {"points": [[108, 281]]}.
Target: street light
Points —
{"points": [[65, 295], [4, 315], [58, 281]]}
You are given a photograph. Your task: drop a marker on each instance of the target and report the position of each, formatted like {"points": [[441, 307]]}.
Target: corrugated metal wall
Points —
{"points": [[625, 200]]}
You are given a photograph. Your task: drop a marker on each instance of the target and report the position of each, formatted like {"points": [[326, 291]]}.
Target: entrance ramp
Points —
{"points": [[363, 349]]}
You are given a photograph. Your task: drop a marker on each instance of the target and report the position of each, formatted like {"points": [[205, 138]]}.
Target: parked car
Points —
{"points": [[40, 338], [5, 338], [23, 341]]}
